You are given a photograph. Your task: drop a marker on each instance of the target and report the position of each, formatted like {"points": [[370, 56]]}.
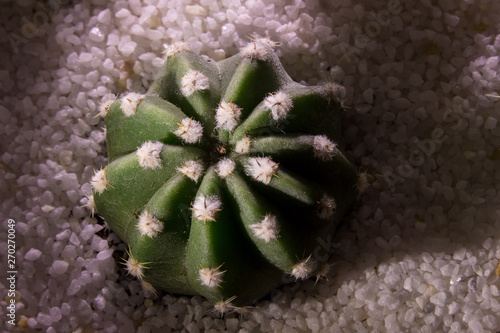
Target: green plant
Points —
{"points": [[224, 175]]}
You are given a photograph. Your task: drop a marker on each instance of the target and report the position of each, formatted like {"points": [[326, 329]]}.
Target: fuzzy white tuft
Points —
{"points": [[326, 207], [193, 81], [223, 307], [264, 40], [323, 147], [303, 269], [148, 289], [149, 225], [335, 92], [211, 277], [227, 115], [104, 106], [192, 169], [225, 167], [243, 146], [134, 267], [90, 204], [267, 229], [279, 104], [190, 130], [205, 207], [130, 102], [148, 155], [323, 271], [261, 169], [174, 48], [255, 50], [99, 181]]}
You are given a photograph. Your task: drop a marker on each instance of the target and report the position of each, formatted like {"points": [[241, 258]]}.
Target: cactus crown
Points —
{"points": [[224, 177]]}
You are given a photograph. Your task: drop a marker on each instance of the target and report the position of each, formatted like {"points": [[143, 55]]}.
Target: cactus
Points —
{"points": [[226, 178]]}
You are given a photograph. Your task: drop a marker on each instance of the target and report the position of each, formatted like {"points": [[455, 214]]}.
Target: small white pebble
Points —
{"points": [[59, 267], [196, 10], [490, 123], [32, 254]]}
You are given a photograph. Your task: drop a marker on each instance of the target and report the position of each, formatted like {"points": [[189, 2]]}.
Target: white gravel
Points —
{"points": [[417, 254]]}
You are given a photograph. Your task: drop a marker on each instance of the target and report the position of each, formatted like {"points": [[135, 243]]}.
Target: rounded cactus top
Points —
{"points": [[225, 179]]}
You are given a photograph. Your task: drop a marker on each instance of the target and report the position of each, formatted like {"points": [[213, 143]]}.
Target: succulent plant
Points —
{"points": [[224, 177]]}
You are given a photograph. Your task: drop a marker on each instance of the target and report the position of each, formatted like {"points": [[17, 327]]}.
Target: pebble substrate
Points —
{"points": [[419, 252]]}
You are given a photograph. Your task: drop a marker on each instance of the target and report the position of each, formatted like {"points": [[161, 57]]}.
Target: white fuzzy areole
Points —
{"points": [[335, 92], [149, 225], [135, 268], [243, 146], [279, 104], [91, 204], [322, 271], [148, 154], [191, 169], [265, 40], [323, 147], [267, 229], [225, 167], [105, 105], [193, 81], [303, 269], [326, 207], [98, 181], [261, 169], [205, 207], [255, 50], [148, 289], [130, 102], [174, 48], [223, 307], [227, 115], [190, 130], [211, 277]]}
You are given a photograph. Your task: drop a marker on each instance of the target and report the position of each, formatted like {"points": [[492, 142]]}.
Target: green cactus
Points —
{"points": [[225, 176]]}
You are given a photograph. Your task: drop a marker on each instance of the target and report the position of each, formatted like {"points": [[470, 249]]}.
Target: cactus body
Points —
{"points": [[225, 179]]}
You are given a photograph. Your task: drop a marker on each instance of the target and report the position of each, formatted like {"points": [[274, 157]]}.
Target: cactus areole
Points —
{"points": [[226, 179]]}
